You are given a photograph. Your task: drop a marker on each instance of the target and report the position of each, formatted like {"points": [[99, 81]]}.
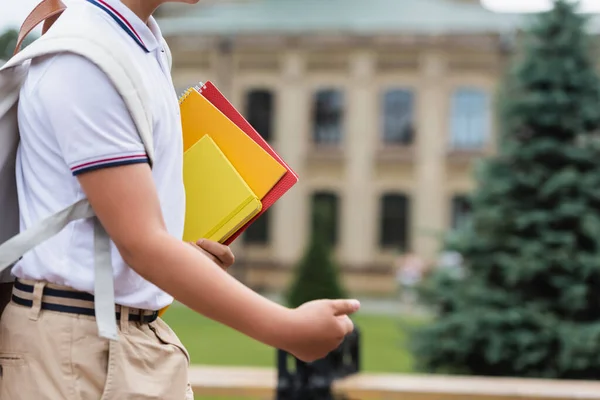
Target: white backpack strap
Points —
{"points": [[113, 59], [13, 249], [104, 286]]}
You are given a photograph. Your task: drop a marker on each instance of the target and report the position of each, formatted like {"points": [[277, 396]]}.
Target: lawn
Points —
{"points": [[383, 348]]}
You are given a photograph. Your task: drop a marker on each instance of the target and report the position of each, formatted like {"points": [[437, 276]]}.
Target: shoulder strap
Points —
{"points": [[109, 60], [116, 64], [47, 11]]}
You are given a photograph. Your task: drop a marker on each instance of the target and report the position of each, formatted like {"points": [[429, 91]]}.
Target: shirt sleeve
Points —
{"points": [[87, 115]]}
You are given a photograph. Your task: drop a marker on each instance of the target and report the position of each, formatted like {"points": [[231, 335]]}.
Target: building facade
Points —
{"points": [[381, 107]]}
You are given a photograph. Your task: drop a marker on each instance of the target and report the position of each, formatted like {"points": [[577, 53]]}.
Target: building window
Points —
{"points": [[328, 117], [325, 215], [258, 232], [460, 211], [259, 112], [470, 119], [398, 118], [394, 221]]}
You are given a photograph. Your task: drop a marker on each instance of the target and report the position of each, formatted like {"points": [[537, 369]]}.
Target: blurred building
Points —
{"points": [[380, 106]]}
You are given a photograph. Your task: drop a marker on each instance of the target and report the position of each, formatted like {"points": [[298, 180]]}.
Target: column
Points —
{"points": [[357, 218], [290, 214], [429, 199]]}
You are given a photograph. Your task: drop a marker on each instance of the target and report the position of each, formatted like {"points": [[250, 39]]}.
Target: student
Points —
{"points": [[78, 140]]}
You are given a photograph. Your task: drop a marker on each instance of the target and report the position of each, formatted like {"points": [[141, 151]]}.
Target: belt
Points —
{"points": [[66, 300]]}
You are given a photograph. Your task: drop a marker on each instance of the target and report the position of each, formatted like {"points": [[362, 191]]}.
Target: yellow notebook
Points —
{"points": [[218, 201], [199, 118]]}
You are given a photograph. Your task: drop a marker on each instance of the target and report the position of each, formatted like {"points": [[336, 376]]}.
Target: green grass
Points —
{"points": [[384, 346]]}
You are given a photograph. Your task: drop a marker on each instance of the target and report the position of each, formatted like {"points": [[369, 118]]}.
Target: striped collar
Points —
{"points": [[129, 22]]}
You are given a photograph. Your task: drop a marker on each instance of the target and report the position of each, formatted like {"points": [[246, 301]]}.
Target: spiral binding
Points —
{"points": [[199, 87], [187, 92]]}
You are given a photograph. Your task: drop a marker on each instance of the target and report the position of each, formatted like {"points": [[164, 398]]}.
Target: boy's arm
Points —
{"points": [[132, 217], [125, 200]]}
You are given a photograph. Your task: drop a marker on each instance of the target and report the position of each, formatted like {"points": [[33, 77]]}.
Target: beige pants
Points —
{"points": [[47, 355]]}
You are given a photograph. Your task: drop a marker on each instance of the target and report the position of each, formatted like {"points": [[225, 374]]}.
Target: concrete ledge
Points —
{"points": [[439, 387], [243, 382], [239, 382]]}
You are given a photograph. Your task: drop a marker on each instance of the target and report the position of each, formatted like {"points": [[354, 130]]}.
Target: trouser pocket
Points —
{"points": [[169, 338], [165, 334], [146, 363], [15, 378]]}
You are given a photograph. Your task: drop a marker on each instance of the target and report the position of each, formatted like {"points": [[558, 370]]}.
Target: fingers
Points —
{"points": [[345, 307], [346, 323], [206, 253], [220, 251]]}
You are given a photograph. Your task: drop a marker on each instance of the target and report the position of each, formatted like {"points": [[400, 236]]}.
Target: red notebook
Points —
{"points": [[289, 179]]}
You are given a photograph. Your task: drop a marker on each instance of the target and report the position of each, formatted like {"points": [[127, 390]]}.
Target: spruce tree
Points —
{"points": [[528, 303], [317, 273]]}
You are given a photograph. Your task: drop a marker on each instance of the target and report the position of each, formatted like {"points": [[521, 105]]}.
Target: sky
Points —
{"points": [[13, 15]]}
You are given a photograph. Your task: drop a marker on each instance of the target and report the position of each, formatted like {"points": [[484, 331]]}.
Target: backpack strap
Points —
{"points": [[13, 249], [113, 61], [47, 11], [112, 58]]}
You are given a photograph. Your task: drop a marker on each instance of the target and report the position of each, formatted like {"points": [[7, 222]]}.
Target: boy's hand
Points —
{"points": [[319, 327], [217, 252]]}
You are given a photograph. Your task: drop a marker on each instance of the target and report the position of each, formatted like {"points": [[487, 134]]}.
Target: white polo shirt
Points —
{"points": [[72, 120]]}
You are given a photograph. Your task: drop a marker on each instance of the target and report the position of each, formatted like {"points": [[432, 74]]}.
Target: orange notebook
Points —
{"points": [[199, 117]]}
